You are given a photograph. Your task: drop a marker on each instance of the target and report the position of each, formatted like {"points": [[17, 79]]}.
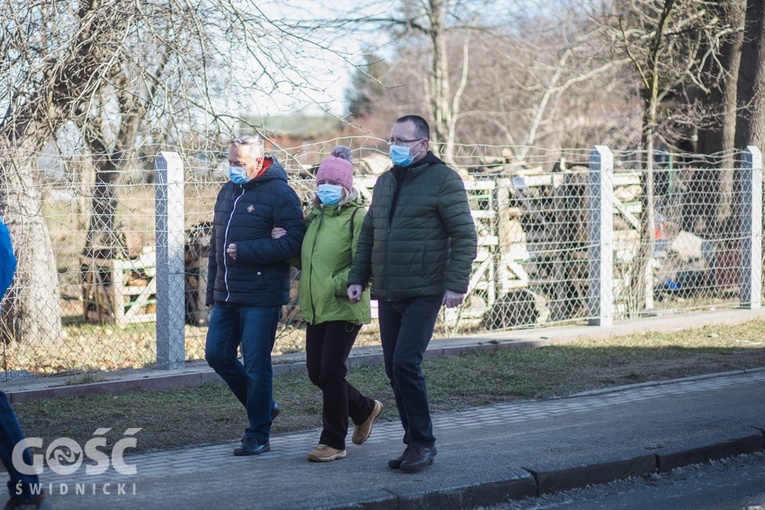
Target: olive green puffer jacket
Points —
{"points": [[427, 244], [325, 261]]}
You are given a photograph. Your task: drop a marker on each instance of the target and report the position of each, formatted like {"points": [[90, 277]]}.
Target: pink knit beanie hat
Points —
{"points": [[337, 167]]}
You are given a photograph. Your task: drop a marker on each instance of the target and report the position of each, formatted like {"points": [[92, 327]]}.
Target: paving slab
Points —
{"points": [[486, 455]]}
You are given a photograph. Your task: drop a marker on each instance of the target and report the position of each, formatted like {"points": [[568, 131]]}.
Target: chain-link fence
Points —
{"points": [[553, 247]]}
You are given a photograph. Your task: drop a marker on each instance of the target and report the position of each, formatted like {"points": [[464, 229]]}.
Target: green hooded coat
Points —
{"points": [[326, 256]]}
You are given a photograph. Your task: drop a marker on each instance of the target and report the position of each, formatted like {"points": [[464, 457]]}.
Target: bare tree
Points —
{"points": [[750, 123], [542, 79], [718, 96], [365, 85], [663, 41], [129, 77], [47, 83], [429, 24]]}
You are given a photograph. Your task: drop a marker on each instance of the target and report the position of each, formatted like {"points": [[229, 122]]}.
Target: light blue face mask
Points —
{"points": [[329, 194], [237, 174], [399, 154]]}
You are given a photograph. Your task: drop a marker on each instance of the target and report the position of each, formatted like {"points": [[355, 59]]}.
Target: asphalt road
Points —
{"points": [[730, 484]]}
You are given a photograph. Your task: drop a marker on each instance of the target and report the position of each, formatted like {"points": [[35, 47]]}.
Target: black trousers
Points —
{"points": [[327, 348], [406, 327]]}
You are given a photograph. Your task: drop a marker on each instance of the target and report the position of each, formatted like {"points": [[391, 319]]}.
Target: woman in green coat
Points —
{"points": [[333, 227]]}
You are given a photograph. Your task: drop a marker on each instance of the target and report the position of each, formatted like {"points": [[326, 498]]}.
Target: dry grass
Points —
{"points": [[101, 348]]}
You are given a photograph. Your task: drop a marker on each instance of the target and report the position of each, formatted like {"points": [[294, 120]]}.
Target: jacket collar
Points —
{"points": [[275, 171], [417, 167]]}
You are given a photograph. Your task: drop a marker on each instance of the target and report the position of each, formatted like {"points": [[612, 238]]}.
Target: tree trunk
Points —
{"points": [[440, 72], [719, 137], [750, 122], [84, 67], [647, 246], [642, 276], [750, 118], [104, 239], [32, 312]]}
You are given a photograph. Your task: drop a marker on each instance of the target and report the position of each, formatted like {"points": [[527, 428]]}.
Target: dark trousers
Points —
{"points": [[22, 485], [327, 347], [406, 327]]}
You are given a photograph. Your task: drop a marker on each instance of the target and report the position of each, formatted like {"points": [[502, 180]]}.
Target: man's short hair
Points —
{"points": [[253, 142], [421, 128]]}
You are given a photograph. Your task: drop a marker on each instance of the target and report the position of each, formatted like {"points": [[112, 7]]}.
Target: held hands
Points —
{"points": [[276, 233], [354, 292], [451, 299]]}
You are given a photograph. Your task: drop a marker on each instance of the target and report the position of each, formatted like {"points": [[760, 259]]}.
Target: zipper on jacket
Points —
{"points": [[390, 223], [225, 245], [310, 266], [391, 216]]}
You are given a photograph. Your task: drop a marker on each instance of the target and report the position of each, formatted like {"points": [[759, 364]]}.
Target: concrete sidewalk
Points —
{"points": [[486, 455]]}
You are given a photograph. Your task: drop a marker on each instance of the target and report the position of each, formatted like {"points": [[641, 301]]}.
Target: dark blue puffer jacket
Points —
{"points": [[245, 215]]}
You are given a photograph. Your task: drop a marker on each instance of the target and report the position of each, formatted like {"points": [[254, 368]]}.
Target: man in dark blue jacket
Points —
{"points": [[249, 280]]}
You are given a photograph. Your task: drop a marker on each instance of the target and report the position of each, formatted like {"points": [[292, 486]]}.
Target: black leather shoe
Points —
{"points": [[418, 458], [252, 447], [396, 463], [275, 411]]}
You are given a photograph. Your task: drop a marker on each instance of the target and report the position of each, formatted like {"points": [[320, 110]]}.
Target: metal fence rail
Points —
{"points": [[563, 236]]}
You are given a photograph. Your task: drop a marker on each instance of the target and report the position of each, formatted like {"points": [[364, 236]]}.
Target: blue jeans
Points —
{"points": [[406, 327], [10, 435], [254, 328]]}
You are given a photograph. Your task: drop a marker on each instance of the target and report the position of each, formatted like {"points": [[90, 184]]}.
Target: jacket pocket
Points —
{"points": [[259, 279]]}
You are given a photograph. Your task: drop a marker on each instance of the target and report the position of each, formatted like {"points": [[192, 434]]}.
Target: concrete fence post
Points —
{"points": [[600, 220], [751, 228], [171, 305]]}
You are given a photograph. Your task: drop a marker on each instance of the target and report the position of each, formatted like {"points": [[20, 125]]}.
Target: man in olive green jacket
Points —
{"points": [[417, 244]]}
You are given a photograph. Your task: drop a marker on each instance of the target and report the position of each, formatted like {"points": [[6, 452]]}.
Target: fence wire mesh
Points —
{"points": [[529, 205]]}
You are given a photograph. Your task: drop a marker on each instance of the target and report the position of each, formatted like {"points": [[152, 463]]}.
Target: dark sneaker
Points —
{"points": [[252, 447], [362, 432], [275, 411], [418, 458], [396, 463], [37, 503]]}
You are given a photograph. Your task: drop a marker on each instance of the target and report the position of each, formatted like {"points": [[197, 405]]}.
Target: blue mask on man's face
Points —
{"points": [[237, 174], [399, 154]]}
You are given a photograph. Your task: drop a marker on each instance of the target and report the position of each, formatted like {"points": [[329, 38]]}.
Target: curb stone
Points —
{"points": [[593, 474], [521, 485], [722, 449], [538, 482]]}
